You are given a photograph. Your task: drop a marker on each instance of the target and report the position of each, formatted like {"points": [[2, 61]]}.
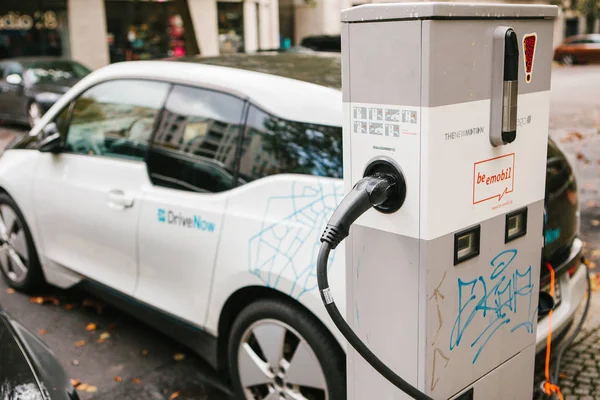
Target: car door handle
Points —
{"points": [[119, 200]]}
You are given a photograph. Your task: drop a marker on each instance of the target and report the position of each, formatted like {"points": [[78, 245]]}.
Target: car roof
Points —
{"points": [[286, 98], [320, 68]]}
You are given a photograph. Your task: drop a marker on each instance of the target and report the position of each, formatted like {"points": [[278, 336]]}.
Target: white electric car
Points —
{"points": [[194, 196]]}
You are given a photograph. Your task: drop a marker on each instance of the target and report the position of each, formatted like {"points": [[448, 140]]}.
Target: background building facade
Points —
{"points": [[97, 32], [321, 17]]}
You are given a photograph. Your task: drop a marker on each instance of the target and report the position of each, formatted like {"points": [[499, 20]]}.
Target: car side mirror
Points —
{"points": [[52, 142], [14, 79], [546, 304]]}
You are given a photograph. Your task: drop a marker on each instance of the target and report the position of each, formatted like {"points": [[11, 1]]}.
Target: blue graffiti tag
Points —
{"points": [[499, 296]]}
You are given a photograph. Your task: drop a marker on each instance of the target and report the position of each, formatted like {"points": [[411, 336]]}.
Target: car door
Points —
{"points": [[14, 101], [87, 198], [191, 166]]}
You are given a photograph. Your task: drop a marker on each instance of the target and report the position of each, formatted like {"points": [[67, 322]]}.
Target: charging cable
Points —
{"points": [[372, 191]]}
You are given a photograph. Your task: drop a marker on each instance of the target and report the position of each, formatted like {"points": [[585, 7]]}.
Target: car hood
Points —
{"points": [[60, 87], [34, 372], [18, 380]]}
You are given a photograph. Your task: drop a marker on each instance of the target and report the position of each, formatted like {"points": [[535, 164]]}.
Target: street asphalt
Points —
{"points": [[122, 358]]}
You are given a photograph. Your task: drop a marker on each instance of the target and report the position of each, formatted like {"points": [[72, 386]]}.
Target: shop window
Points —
{"points": [[273, 145], [33, 28], [195, 144], [143, 30], [231, 27]]}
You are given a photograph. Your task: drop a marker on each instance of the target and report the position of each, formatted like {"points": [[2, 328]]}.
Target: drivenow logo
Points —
{"points": [[195, 221]]}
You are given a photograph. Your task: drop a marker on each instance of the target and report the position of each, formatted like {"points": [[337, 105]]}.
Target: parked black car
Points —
{"points": [[30, 86], [28, 369]]}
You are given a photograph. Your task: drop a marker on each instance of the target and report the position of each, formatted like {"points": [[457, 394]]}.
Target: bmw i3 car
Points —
{"points": [[194, 196]]}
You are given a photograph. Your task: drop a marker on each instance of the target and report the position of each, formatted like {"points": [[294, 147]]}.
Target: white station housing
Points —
{"points": [[445, 290]]}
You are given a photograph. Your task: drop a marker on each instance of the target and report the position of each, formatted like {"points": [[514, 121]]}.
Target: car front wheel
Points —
{"points": [[278, 350], [18, 258]]}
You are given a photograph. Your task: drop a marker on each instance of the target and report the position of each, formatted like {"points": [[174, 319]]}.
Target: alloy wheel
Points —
{"points": [[14, 252], [276, 363], [34, 114], [568, 59]]}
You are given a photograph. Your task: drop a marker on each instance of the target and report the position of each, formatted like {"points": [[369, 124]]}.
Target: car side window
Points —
{"points": [[116, 118], [272, 145], [195, 144]]}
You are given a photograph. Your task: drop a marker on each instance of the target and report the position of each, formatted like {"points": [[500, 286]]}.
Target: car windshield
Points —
{"points": [[54, 71]]}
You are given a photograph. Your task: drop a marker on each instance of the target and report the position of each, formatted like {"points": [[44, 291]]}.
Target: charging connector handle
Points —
{"points": [[368, 192]]}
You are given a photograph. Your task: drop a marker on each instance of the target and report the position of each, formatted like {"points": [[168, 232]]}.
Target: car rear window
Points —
{"points": [[272, 145]]}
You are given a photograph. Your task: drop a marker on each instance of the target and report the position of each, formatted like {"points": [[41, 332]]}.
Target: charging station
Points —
{"points": [[444, 289]]}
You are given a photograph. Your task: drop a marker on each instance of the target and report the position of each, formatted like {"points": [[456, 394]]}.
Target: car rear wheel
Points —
{"points": [[34, 113], [277, 350], [568, 59], [18, 258]]}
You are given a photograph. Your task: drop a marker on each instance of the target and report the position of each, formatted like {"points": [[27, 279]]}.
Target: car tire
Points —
{"points": [[568, 59], [34, 113], [18, 258], [277, 346]]}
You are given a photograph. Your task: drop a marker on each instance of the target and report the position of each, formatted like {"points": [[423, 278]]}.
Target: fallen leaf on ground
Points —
{"points": [[10, 291], [144, 352], [69, 306], [98, 305], [178, 356], [44, 299], [42, 331], [591, 203], [137, 381], [118, 379], [174, 395], [571, 136], [100, 341], [562, 376], [90, 327], [595, 281], [104, 335], [91, 389], [81, 343], [75, 382], [75, 362], [595, 222], [581, 157], [82, 386]]}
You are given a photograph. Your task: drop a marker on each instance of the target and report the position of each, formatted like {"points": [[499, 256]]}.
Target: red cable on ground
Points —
{"points": [[549, 387]]}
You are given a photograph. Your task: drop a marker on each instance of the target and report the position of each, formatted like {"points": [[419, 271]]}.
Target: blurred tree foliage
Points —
{"points": [[591, 10]]}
